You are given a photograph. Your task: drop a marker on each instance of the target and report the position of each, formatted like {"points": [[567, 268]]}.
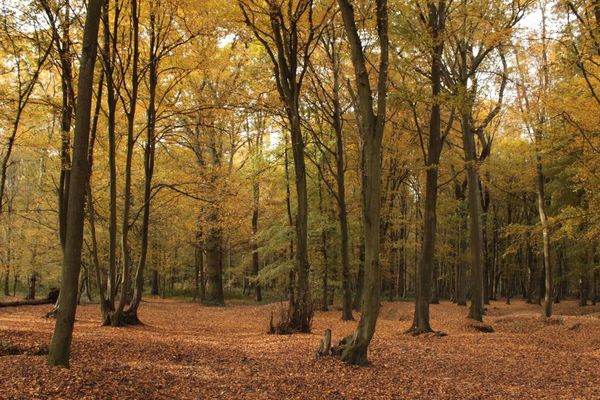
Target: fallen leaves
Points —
{"points": [[186, 351]]}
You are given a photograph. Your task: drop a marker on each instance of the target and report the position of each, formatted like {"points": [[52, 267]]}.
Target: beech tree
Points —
{"points": [[289, 46], [371, 117], [60, 347]]}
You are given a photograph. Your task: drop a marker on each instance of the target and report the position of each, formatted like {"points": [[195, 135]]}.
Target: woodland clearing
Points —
{"points": [[188, 351]]}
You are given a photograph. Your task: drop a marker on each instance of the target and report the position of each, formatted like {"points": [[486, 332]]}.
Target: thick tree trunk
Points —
{"points": [[65, 317]]}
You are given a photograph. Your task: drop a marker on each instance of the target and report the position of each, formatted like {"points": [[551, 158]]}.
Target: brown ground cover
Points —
{"points": [[186, 351]]}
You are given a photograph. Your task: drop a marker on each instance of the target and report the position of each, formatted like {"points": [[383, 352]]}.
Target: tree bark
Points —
{"points": [[475, 232], [255, 214], [371, 127], [109, 59], [138, 288], [65, 317]]}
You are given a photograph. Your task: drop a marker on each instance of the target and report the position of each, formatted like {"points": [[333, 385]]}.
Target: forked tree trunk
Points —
{"points": [[60, 347]]}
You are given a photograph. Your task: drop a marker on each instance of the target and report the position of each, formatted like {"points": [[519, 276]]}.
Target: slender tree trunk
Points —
{"points": [[426, 265], [155, 282], [341, 189], [475, 232], [138, 288], [60, 347], [325, 272], [301, 307], [371, 128], [109, 55], [540, 178], [255, 259], [358, 299], [461, 291]]}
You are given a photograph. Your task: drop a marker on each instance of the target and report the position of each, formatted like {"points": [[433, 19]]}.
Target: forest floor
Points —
{"points": [[187, 351]]}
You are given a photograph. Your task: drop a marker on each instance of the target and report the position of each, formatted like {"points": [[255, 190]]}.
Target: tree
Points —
{"points": [[435, 20], [329, 100], [471, 50], [60, 347], [289, 45], [371, 128]]}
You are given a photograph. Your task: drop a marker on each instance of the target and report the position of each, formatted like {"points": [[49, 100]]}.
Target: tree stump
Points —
{"points": [[324, 348]]}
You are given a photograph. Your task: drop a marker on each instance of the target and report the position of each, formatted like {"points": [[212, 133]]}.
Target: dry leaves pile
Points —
{"points": [[186, 351]]}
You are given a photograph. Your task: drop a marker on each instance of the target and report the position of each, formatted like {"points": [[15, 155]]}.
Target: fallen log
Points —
{"points": [[50, 299], [18, 303]]}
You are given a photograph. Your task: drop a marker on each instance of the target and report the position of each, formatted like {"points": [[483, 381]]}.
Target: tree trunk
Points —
{"points": [[65, 317], [301, 313], [5, 282], [475, 232], [255, 260], [214, 262], [540, 178], [31, 287], [138, 287], [109, 57], [426, 265], [344, 244], [155, 283], [371, 127], [357, 302]]}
